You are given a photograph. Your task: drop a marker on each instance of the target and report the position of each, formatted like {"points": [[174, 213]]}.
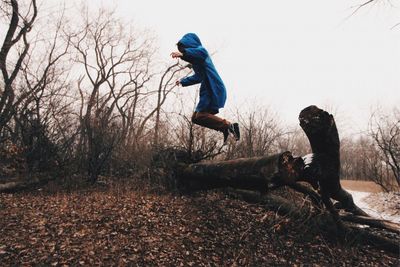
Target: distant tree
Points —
{"points": [[294, 140], [385, 131], [116, 65], [44, 74], [14, 50]]}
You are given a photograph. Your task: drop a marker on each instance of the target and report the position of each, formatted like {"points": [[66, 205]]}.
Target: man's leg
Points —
{"points": [[209, 120]]}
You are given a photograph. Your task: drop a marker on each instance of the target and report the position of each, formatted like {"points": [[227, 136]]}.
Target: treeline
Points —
{"points": [[87, 96]]}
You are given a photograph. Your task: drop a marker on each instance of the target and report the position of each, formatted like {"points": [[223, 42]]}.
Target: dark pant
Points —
{"points": [[209, 120]]}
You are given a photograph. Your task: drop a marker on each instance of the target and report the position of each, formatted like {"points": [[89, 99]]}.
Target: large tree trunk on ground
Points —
{"points": [[245, 173]]}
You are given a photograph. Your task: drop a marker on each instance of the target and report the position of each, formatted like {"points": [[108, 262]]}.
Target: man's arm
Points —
{"points": [[191, 54], [197, 54], [194, 79], [176, 55]]}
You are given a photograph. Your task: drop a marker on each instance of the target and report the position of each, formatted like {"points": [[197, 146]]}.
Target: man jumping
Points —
{"points": [[212, 89]]}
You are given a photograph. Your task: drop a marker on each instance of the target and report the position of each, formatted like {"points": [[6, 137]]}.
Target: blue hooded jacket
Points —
{"points": [[212, 89]]}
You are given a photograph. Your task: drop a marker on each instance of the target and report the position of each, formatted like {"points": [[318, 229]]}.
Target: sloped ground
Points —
{"points": [[385, 202], [126, 224], [371, 198], [383, 205]]}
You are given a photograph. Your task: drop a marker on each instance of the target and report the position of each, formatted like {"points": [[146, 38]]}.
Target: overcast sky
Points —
{"points": [[287, 54]]}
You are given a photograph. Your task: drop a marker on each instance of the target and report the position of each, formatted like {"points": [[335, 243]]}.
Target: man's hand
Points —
{"points": [[176, 54], [178, 82]]}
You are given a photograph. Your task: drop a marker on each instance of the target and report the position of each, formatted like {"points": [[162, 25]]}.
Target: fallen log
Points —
{"points": [[258, 173], [17, 186]]}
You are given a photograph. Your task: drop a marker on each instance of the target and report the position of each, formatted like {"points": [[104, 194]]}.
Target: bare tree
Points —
{"points": [[116, 66], [45, 76], [165, 86], [385, 131], [15, 43], [363, 4]]}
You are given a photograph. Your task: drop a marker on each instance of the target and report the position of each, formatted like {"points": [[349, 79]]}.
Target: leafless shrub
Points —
{"points": [[200, 143], [294, 140], [260, 132]]}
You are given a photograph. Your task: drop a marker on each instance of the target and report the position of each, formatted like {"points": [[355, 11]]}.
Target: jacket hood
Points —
{"points": [[190, 40]]}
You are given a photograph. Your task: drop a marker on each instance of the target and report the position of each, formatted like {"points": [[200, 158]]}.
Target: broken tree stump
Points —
{"points": [[322, 168]]}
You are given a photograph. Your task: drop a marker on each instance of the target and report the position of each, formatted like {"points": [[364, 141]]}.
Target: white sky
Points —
{"points": [[287, 54]]}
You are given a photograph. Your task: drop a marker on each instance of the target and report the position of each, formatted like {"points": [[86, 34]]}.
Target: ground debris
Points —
{"points": [[123, 225]]}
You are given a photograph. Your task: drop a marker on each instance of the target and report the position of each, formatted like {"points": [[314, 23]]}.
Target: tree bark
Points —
{"points": [[245, 173], [322, 168], [15, 32]]}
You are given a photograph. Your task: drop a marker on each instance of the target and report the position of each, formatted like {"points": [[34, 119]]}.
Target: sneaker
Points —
{"points": [[234, 130], [226, 134]]}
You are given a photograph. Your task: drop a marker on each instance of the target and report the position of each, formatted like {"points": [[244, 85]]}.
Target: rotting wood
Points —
{"points": [[323, 170], [256, 173]]}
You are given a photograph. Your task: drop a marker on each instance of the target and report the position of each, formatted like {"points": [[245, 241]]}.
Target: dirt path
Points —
{"points": [[361, 186], [370, 197]]}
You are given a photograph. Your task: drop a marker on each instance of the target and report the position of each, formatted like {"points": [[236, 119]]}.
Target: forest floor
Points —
{"points": [[129, 224]]}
